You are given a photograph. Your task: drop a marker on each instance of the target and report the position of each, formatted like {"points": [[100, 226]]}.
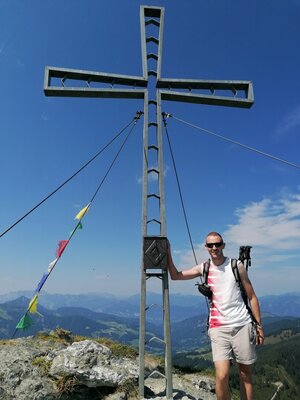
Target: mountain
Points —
{"points": [[286, 304], [78, 320], [187, 335], [182, 306]]}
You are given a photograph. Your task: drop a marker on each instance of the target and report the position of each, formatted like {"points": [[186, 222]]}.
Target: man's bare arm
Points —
{"points": [[253, 300], [181, 275]]}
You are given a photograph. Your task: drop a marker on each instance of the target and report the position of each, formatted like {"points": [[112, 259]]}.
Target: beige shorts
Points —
{"points": [[238, 343]]}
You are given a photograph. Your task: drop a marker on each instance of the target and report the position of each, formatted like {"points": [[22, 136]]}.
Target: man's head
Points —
{"points": [[215, 245]]}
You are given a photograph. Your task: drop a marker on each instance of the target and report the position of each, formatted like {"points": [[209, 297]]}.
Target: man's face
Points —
{"points": [[214, 245]]}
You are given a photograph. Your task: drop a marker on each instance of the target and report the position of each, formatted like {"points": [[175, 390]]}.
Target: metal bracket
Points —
{"points": [[155, 252]]}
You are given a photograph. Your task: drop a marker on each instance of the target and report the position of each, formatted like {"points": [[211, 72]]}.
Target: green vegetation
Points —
{"points": [[118, 349], [63, 336], [58, 335], [277, 365], [193, 361], [117, 329], [42, 363]]}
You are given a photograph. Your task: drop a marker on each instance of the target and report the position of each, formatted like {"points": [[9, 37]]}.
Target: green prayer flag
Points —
{"points": [[78, 226], [25, 322]]}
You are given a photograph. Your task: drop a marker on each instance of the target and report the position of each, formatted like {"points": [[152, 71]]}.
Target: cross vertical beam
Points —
{"points": [[153, 89], [152, 21]]}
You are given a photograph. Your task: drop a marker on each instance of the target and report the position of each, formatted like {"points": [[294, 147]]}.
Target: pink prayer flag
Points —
{"points": [[61, 247]]}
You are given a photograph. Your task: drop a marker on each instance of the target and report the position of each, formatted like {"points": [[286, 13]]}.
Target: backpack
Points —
{"points": [[243, 256]]}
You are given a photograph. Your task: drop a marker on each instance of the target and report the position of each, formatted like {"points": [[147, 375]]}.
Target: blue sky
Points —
{"points": [[250, 199]]}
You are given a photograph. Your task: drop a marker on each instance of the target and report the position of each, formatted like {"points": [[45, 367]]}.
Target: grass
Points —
{"points": [[130, 388], [58, 335], [62, 336], [118, 349], [42, 363], [8, 342], [66, 385]]}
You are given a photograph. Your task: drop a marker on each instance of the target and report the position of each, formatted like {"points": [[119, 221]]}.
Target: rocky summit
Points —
{"points": [[59, 366]]}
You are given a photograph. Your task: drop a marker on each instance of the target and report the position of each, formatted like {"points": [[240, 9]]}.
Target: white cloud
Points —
{"points": [[272, 227], [269, 224], [291, 121]]}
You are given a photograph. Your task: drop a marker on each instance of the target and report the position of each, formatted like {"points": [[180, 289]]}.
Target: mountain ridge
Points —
{"points": [[187, 334], [181, 304]]}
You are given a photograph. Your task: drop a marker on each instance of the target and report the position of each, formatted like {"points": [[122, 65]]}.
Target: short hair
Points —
{"points": [[213, 233]]}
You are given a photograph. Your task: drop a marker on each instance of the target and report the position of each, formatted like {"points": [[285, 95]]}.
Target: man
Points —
{"points": [[231, 328]]}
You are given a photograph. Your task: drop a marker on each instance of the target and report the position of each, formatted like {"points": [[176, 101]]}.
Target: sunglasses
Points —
{"points": [[211, 245]]}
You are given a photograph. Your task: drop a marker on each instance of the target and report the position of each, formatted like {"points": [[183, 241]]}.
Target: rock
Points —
{"points": [[185, 387], [52, 366], [117, 396], [92, 364], [19, 379], [206, 385]]}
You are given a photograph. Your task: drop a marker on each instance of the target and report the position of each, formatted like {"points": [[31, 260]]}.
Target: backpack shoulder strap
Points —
{"points": [[235, 270], [205, 272]]}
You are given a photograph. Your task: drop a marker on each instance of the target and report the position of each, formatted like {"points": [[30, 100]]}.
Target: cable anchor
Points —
{"points": [[166, 115], [138, 115]]}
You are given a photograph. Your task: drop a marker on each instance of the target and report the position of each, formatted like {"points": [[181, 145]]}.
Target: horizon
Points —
{"points": [[197, 295]]}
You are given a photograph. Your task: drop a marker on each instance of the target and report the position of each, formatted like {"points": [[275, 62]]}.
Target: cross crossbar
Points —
{"points": [[65, 74], [232, 87]]}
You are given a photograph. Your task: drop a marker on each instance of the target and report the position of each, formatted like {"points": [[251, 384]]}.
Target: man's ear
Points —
{"points": [[224, 244]]}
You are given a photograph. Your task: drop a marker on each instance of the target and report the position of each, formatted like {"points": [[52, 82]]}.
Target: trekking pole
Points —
{"points": [[245, 255]]}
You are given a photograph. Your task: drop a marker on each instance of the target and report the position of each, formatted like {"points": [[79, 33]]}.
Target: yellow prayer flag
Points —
{"points": [[82, 212], [33, 305]]}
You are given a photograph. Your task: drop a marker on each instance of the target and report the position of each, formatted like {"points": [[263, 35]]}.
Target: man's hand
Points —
{"points": [[260, 338]]}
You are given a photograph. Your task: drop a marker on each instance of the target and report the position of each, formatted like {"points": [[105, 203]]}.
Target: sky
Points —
{"points": [[247, 197]]}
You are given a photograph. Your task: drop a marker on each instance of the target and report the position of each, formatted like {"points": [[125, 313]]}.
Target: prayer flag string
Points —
{"points": [[26, 321]]}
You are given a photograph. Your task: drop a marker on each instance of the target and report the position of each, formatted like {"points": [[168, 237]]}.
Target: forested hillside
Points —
{"points": [[279, 362], [277, 366]]}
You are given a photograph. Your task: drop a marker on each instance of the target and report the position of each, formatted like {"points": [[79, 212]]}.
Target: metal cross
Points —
{"points": [[238, 94]]}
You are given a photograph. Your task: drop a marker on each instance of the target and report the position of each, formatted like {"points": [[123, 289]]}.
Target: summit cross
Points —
{"points": [[152, 89]]}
